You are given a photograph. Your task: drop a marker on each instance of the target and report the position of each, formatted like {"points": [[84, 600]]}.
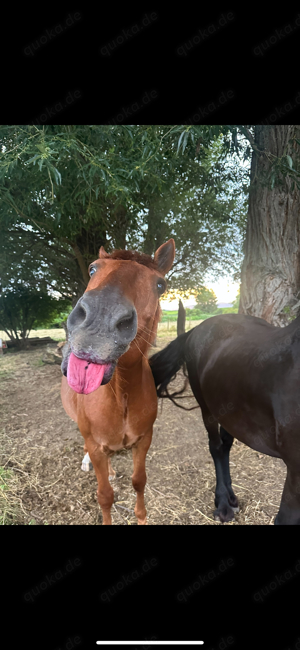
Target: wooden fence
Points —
{"points": [[172, 324]]}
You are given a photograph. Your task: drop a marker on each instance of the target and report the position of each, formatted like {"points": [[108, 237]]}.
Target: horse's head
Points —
{"points": [[120, 305]]}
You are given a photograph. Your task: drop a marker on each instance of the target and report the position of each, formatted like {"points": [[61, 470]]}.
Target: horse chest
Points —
{"points": [[123, 439], [122, 430]]}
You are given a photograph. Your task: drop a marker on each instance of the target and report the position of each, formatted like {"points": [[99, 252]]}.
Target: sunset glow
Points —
{"points": [[225, 291]]}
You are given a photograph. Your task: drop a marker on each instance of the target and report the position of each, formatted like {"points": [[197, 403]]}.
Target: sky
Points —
{"points": [[225, 290]]}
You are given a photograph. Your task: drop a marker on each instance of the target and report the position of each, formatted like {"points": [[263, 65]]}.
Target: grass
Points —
{"points": [[9, 505], [197, 314], [181, 478], [36, 363], [56, 334], [12, 488], [59, 334], [167, 324]]}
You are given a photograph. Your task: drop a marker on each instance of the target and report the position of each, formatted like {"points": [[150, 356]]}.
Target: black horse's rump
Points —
{"points": [[245, 376]]}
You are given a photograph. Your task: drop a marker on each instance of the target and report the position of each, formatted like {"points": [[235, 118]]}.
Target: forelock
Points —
{"points": [[133, 256]]}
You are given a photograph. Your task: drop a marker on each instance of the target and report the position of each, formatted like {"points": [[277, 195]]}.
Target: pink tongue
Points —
{"points": [[83, 376]]}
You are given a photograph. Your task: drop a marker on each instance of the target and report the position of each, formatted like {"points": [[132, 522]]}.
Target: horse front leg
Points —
{"points": [[105, 492], [87, 465], [289, 511], [139, 476]]}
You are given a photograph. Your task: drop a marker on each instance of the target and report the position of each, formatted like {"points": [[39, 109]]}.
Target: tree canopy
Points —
{"points": [[206, 299], [67, 190]]}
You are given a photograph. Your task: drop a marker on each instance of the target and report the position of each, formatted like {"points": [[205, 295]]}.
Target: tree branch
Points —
{"points": [[81, 263], [250, 139]]}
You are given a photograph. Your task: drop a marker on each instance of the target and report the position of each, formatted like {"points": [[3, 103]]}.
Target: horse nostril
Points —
{"points": [[77, 317], [125, 325], [81, 314]]}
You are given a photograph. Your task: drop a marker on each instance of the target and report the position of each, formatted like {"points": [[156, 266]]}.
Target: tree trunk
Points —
{"points": [[180, 319], [122, 219], [81, 263], [271, 266]]}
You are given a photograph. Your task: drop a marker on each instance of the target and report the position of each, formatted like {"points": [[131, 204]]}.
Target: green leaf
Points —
{"points": [[290, 162], [33, 159], [185, 139], [56, 174], [179, 141]]}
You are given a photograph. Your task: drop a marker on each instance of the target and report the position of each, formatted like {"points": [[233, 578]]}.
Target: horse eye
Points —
{"points": [[161, 286], [92, 271]]}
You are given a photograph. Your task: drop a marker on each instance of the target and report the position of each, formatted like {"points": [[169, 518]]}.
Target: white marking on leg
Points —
{"points": [[86, 464]]}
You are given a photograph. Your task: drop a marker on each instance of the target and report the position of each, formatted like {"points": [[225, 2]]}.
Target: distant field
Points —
{"points": [[196, 314], [56, 334], [172, 325], [59, 334]]}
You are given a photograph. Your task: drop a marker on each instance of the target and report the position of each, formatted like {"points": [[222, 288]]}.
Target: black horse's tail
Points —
{"points": [[165, 365]]}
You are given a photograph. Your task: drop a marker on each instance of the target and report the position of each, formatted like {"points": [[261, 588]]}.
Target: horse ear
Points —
{"points": [[164, 256], [103, 253]]}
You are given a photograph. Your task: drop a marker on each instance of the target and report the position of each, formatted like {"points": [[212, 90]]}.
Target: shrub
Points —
{"points": [[23, 309]]}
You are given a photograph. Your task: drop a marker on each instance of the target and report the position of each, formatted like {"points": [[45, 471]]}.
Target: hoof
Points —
{"points": [[224, 514]]}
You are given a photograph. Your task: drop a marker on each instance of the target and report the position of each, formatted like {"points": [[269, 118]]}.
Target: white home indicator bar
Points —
{"points": [[149, 642]]}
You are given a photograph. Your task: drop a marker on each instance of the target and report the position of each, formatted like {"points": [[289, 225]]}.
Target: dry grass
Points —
{"points": [[42, 450], [10, 501]]}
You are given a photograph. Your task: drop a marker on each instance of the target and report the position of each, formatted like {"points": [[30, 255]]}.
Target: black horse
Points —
{"points": [[245, 375]]}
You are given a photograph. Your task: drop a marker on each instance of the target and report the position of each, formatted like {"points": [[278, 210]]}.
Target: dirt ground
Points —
{"points": [[43, 449]]}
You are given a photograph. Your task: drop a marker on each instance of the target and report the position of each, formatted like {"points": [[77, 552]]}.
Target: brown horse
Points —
{"points": [[108, 387]]}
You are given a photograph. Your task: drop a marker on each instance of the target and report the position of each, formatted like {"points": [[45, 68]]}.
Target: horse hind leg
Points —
{"points": [[219, 445], [289, 511], [227, 441]]}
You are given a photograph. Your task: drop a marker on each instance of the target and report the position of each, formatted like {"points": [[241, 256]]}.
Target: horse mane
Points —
{"points": [[133, 256]]}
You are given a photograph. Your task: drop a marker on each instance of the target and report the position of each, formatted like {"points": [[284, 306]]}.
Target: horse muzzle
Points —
{"points": [[100, 329]]}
